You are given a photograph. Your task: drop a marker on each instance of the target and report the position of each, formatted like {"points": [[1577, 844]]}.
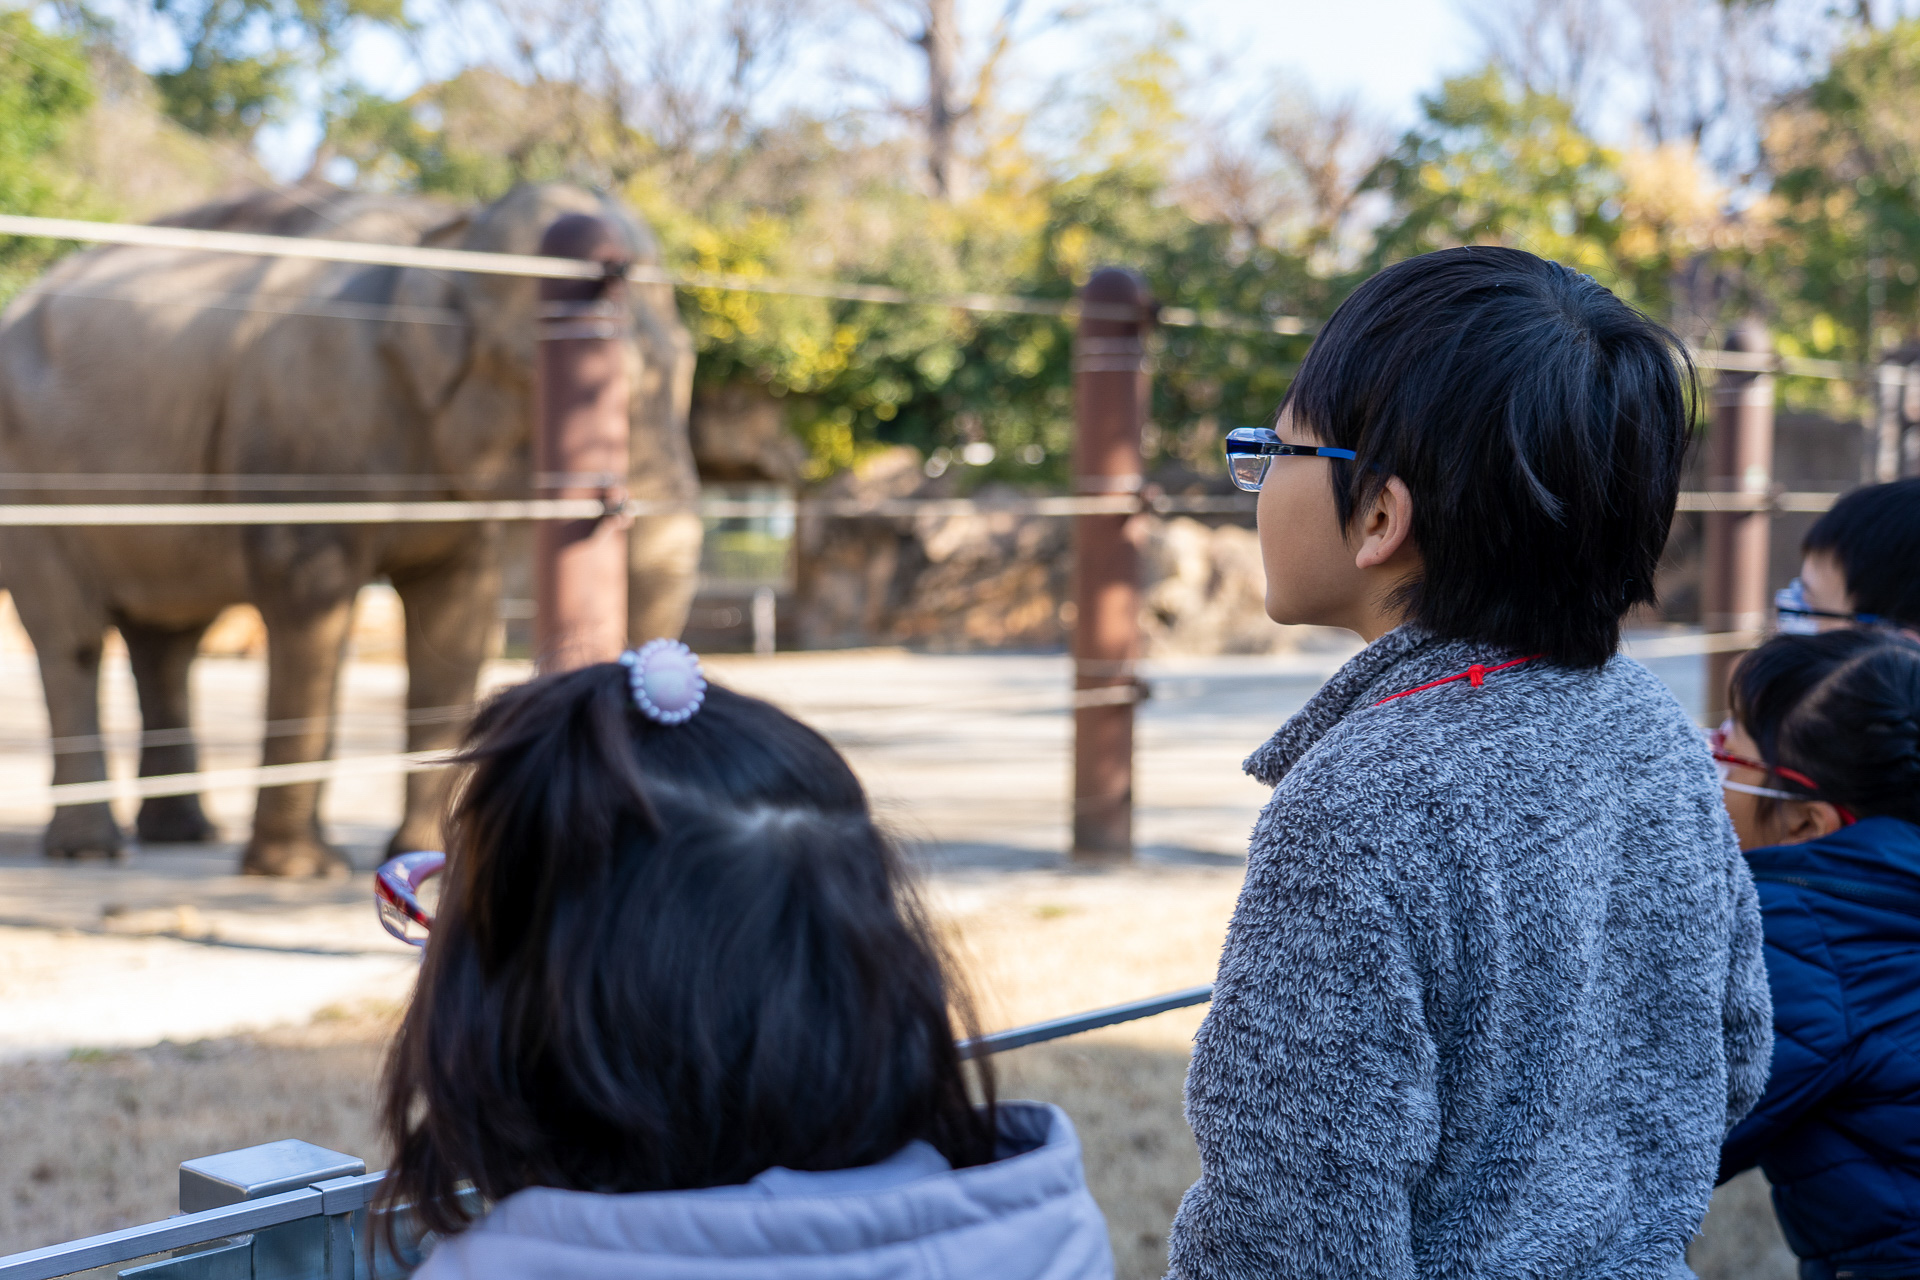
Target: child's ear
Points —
{"points": [[1384, 527], [1806, 820]]}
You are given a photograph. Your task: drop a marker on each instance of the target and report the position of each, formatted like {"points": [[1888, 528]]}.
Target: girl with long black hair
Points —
{"points": [[680, 1014]]}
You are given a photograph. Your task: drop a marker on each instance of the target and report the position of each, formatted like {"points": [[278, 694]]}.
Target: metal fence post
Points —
{"points": [[580, 449], [1734, 594], [1890, 384], [1110, 407]]}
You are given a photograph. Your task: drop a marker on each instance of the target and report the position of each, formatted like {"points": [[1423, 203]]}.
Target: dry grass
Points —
{"points": [[93, 1142]]}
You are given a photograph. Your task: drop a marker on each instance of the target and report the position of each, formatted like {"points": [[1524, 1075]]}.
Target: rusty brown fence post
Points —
{"points": [[580, 450], [1110, 406], [1734, 596]]}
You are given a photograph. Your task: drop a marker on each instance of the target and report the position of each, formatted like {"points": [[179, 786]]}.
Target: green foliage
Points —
{"points": [[43, 89], [1492, 164], [1840, 263], [245, 57]]}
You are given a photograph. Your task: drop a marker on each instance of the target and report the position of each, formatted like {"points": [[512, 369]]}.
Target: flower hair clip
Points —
{"points": [[666, 681]]}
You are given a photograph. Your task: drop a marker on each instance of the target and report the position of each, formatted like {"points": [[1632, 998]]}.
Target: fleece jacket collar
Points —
{"points": [[1407, 656]]}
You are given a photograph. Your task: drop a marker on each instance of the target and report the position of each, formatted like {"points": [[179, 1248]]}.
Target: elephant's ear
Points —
{"points": [[430, 335]]}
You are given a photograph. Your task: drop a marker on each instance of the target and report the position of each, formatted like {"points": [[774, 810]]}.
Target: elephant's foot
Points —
{"points": [[174, 820], [84, 831], [307, 856]]}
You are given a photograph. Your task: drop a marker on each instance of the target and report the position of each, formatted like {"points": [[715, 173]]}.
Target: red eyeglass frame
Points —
{"points": [[396, 893], [1717, 741]]}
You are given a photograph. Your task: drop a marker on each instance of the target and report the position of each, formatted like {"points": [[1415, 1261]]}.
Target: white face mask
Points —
{"points": [[1769, 792]]}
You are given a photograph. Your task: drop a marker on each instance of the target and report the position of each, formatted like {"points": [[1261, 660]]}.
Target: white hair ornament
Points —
{"points": [[666, 681]]}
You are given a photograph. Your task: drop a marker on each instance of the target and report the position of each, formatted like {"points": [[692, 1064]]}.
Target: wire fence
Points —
{"points": [[538, 267], [455, 511], [612, 502], [1142, 689]]}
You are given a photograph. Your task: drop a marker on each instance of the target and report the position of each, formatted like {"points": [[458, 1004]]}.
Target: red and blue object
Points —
{"points": [[396, 893]]}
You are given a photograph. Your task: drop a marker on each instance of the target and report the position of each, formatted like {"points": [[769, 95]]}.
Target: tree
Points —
{"points": [[958, 93], [1494, 163], [45, 88], [1694, 71], [1845, 155], [1295, 184]]}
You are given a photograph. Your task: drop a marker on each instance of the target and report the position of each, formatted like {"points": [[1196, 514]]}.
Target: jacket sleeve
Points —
{"points": [[1811, 1031], [1747, 1015], [1312, 1093]]}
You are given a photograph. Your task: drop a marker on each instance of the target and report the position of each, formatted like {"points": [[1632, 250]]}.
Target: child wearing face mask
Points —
{"points": [[1821, 765]]}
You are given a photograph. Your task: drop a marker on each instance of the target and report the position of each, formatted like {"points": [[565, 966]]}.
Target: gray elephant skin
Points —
{"points": [[145, 362]]}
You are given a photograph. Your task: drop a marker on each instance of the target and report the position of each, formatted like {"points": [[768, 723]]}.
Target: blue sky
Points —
{"points": [[1387, 52]]}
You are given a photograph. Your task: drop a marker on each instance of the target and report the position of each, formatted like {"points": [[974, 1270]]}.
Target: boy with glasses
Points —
{"points": [[1493, 992], [1860, 564]]}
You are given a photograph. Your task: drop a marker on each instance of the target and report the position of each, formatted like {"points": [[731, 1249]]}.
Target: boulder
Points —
{"points": [[970, 582]]}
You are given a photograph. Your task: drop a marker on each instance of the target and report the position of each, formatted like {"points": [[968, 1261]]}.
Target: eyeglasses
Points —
{"points": [[1251, 450], [1797, 618], [396, 894], [1725, 762]]}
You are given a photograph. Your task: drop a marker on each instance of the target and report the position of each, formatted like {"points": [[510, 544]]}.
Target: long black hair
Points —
{"points": [[1539, 423], [1843, 709], [666, 957]]}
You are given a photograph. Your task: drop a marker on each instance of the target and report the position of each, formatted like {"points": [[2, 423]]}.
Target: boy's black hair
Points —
{"points": [[1875, 535], [1841, 707], [666, 957], [1540, 424]]}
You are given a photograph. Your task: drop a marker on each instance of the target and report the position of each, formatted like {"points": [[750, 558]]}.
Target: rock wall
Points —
{"points": [[1003, 581]]}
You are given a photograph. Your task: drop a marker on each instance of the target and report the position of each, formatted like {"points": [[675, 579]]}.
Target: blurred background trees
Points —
{"points": [[1702, 157]]}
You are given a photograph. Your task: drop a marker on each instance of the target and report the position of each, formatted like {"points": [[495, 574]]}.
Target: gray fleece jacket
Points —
{"points": [[1493, 992]]}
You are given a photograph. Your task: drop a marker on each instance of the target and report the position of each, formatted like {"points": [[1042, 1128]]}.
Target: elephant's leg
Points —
{"points": [[663, 555], [162, 657], [67, 623], [308, 612], [450, 614]]}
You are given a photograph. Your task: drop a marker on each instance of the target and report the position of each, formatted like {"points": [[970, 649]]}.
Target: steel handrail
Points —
{"points": [[340, 1195]]}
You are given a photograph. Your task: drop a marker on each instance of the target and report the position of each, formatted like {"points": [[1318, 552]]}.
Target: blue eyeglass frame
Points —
{"points": [[1259, 446], [1793, 616]]}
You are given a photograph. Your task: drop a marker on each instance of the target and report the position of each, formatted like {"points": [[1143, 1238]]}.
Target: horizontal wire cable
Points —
{"points": [[46, 515], [361, 253], [136, 514], [542, 267], [263, 304], [309, 482], [266, 775], [1646, 648], [125, 739]]}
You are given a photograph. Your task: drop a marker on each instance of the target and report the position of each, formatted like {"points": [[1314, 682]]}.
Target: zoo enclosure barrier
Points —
{"points": [[580, 451], [289, 1210]]}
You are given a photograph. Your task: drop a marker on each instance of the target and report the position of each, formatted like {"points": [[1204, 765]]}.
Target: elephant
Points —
{"points": [[142, 361]]}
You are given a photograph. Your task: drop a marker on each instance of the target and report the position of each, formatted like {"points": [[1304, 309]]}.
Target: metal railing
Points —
{"points": [[319, 1231]]}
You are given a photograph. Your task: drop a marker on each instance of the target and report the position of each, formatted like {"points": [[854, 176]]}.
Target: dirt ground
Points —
{"points": [[93, 1140], [271, 1002]]}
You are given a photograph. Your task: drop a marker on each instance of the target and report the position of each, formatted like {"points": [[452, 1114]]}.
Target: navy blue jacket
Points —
{"points": [[1838, 1132]]}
